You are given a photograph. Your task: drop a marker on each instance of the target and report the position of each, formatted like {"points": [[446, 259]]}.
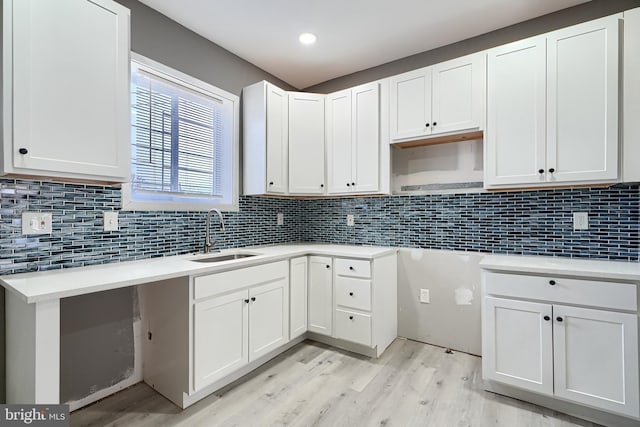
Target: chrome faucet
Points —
{"points": [[207, 237]]}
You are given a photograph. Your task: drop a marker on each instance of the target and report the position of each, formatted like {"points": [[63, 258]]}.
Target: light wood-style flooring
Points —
{"points": [[412, 384]]}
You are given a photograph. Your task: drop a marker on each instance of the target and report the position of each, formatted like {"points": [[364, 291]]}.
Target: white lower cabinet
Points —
{"points": [[584, 355], [299, 269], [206, 331], [236, 328], [220, 337], [365, 301], [320, 295], [354, 327], [596, 358], [268, 317], [518, 349]]}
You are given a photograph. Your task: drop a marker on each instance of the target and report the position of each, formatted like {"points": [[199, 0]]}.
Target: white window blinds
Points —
{"points": [[182, 141]]}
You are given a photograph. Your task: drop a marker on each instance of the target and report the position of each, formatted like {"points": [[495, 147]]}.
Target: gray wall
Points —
{"points": [[564, 18], [161, 39]]}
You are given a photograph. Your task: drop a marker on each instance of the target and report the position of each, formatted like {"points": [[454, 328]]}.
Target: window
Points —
{"points": [[184, 142]]}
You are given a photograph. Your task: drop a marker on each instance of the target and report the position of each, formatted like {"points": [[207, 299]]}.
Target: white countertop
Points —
{"points": [[603, 269], [55, 284]]}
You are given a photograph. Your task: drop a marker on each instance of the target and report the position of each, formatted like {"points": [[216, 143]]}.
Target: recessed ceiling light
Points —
{"points": [[307, 38]]}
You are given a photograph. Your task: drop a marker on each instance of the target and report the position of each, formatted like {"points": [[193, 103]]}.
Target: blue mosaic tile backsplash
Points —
{"points": [[518, 222], [78, 238], [529, 222]]}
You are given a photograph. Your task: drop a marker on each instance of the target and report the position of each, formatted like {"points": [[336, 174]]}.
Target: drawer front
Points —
{"points": [[219, 283], [353, 293], [620, 296], [354, 327], [353, 267]]}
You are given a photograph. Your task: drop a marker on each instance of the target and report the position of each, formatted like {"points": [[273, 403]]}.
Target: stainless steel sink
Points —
{"points": [[220, 258]]}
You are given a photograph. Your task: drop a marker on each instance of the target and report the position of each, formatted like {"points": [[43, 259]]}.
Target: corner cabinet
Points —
{"points": [[298, 274], [66, 110], [306, 143], [320, 295], [266, 139], [569, 338], [445, 98], [353, 140], [552, 108]]}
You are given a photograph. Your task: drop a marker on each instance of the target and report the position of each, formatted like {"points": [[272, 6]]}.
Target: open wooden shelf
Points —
{"points": [[444, 139]]}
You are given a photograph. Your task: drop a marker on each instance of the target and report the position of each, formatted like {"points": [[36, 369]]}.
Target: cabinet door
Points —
{"points": [[596, 358], [220, 337], [517, 344], [306, 143], [277, 140], [320, 302], [339, 146], [268, 317], [70, 88], [458, 94], [582, 90], [515, 133], [631, 107], [298, 297], [411, 104], [365, 140]]}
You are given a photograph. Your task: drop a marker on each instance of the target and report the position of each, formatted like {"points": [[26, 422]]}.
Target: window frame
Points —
{"points": [[191, 83]]}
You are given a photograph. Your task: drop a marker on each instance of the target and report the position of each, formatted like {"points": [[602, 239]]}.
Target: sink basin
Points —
{"points": [[220, 258]]}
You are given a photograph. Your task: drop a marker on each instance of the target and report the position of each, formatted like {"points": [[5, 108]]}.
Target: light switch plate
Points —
{"points": [[351, 220], [280, 218], [36, 223], [110, 220], [425, 298], [580, 220]]}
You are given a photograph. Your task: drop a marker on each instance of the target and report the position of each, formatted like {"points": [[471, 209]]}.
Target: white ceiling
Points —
{"points": [[353, 35]]}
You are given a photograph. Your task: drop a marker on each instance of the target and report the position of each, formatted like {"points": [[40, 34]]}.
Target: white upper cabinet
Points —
{"points": [[582, 91], [66, 89], [516, 108], [306, 143], [631, 91], [411, 105], [445, 98], [339, 152], [458, 94], [553, 107], [266, 139], [353, 140]]}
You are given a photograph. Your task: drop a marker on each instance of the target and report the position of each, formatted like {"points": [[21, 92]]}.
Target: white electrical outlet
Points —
{"points": [[580, 220], [110, 220], [425, 298], [36, 223], [351, 220], [280, 219]]}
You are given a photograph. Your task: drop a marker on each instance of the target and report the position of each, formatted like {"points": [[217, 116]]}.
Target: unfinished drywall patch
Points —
{"points": [[96, 342], [452, 317], [452, 163]]}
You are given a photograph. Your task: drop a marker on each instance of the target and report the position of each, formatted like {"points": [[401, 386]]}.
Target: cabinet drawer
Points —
{"points": [[353, 327], [353, 267], [620, 296], [218, 283], [353, 293]]}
